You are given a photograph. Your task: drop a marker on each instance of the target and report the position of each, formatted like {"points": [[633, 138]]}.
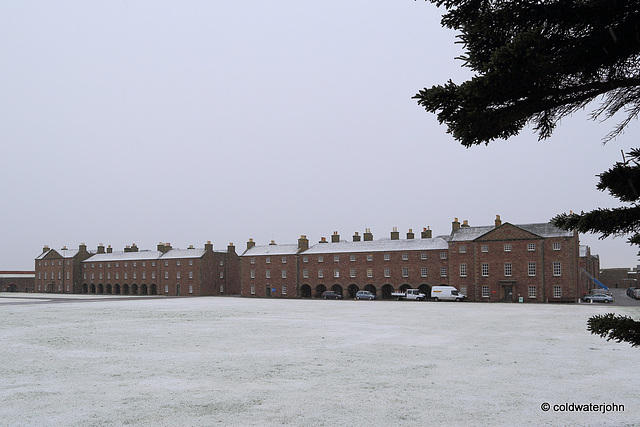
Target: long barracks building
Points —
{"points": [[164, 271], [501, 262]]}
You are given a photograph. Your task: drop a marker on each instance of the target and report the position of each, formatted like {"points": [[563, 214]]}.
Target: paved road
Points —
{"points": [[621, 298]]}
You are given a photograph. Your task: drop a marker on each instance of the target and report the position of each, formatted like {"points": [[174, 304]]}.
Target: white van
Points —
{"points": [[446, 293]]}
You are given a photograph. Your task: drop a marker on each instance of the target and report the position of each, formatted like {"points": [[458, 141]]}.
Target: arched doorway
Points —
{"points": [[386, 291], [93, 288], [134, 289], [403, 288], [425, 289], [100, 288], [109, 288], [352, 290], [154, 289], [305, 291], [116, 289], [320, 289], [85, 288], [371, 289], [143, 289], [337, 289], [125, 289]]}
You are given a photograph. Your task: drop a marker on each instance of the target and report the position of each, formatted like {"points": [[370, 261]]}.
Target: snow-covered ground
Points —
{"points": [[237, 361]]}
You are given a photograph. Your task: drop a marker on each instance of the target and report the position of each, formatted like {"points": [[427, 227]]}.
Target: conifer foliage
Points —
{"points": [[536, 61], [619, 328], [623, 182]]}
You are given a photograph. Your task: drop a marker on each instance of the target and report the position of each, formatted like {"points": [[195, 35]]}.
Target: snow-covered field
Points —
{"points": [[238, 361]]}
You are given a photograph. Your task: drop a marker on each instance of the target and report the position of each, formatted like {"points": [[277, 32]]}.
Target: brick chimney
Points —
{"points": [[127, 248], [465, 223], [323, 240], [250, 244], [82, 248], [45, 248], [109, 249], [356, 237], [368, 236], [455, 225], [335, 237], [426, 233], [134, 247], [395, 235], [498, 221], [410, 235], [231, 248], [163, 247], [303, 243], [208, 246], [101, 248]]}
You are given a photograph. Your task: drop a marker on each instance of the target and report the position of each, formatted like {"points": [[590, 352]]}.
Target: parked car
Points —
{"points": [[631, 292], [331, 295], [365, 295], [598, 298]]}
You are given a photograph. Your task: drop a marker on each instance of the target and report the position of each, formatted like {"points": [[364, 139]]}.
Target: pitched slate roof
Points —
{"points": [[125, 256], [64, 253], [380, 245], [287, 249], [545, 230], [183, 253]]}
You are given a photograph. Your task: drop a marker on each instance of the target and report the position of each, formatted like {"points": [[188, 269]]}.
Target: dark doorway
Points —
{"points": [[305, 291], [508, 293]]}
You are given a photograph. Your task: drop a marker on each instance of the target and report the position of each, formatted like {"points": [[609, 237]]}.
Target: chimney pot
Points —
{"points": [[394, 234], [250, 244], [455, 225]]}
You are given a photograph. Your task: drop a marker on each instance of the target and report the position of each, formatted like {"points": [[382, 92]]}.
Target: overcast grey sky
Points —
{"points": [[147, 121]]}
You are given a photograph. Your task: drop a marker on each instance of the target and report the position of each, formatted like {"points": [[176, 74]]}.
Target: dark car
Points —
{"points": [[598, 298], [331, 295], [365, 295]]}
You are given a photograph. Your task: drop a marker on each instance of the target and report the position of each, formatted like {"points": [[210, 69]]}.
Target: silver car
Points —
{"points": [[365, 295], [598, 298]]}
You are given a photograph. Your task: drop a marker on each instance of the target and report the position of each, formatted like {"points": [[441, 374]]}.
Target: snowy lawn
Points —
{"points": [[237, 361]]}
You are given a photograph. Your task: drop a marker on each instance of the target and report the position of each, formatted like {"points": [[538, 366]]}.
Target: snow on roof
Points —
{"points": [[17, 275], [125, 256], [470, 233], [545, 230], [287, 249], [183, 253], [64, 253], [379, 245]]}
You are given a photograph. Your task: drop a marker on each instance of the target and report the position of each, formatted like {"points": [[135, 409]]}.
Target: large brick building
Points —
{"points": [[164, 271], [501, 262]]}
